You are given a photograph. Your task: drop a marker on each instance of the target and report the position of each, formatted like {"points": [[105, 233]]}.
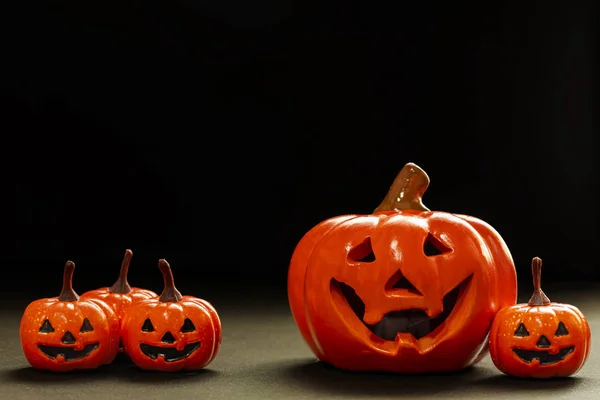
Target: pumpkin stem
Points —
{"points": [[539, 298], [121, 286], [67, 293], [170, 294], [407, 190]]}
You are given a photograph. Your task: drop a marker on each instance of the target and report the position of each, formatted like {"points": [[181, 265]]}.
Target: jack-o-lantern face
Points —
{"points": [[67, 348], [65, 333], [169, 348], [539, 339], [541, 350], [402, 290], [387, 301], [172, 332]]}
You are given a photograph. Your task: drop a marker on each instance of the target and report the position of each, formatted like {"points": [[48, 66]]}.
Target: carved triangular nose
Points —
{"points": [[543, 342], [399, 281], [168, 338], [68, 338]]}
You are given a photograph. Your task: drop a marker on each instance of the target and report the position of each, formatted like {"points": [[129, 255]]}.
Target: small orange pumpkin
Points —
{"points": [[120, 295], [172, 332], [539, 339], [67, 332]]}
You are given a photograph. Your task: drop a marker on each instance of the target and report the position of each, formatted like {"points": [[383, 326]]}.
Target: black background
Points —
{"points": [[215, 134]]}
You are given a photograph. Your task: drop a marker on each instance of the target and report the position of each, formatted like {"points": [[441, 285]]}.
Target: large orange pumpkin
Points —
{"points": [[404, 289]]}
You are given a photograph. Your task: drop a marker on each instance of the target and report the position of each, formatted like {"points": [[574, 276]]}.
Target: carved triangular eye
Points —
{"points": [[86, 326], [561, 330], [46, 327], [363, 252], [434, 246], [188, 326], [521, 331], [147, 327]]}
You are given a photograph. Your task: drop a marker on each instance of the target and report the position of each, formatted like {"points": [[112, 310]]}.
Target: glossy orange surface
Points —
{"points": [[403, 290], [540, 339], [66, 333], [172, 332]]}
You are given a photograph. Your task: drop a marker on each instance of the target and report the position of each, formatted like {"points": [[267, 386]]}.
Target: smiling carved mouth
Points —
{"points": [[413, 321], [68, 353], [542, 356], [169, 354]]}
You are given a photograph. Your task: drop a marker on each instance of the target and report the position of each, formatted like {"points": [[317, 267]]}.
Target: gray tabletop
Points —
{"points": [[264, 357]]}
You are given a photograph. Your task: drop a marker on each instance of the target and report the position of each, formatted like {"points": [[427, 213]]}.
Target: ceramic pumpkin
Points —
{"points": [[540, 339], [67, 332], [403, 289], [172, 332], [121, 295]]}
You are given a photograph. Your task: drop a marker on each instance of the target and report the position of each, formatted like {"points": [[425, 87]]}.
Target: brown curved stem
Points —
{"points": [[406, 192], [121, 286], [539, 298], [67, 293], [170, 294]]}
